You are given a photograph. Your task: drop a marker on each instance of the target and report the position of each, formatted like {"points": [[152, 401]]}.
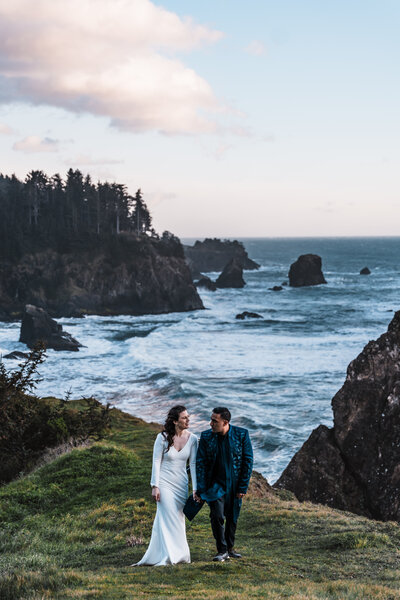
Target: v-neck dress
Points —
{"points": [[168, 543]]}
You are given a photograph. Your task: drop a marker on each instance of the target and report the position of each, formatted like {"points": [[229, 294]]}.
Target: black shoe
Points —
{"points": [[221, 557], [233, 554]]}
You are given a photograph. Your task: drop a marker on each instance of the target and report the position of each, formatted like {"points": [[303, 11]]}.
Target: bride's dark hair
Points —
{"points": [[169, 425]]}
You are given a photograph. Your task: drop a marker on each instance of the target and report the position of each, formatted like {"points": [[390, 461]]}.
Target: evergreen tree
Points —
{"points": [[141, 215], [36, 184], [74, 194]]}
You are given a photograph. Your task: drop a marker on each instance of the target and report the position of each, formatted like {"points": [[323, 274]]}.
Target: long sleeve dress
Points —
{"points": [[168, 543]]}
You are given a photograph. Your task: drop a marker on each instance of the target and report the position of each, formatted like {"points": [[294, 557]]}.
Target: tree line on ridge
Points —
{"points": [[43, 212]]}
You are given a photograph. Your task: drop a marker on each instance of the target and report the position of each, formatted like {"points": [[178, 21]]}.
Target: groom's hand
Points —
{"points": [[196, 497], [240, 496]]}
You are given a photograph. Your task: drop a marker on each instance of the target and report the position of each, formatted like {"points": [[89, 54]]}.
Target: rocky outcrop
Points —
{"points": [[126, 275], [231, 276], [37, 326], [355, 465], [214, 254], [248, 315], [206, 282], [16, 355], [260, 488], [365, 271], [307, 270], [276, 288]]}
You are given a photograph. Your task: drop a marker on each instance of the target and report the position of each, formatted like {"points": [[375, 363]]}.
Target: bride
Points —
{"points": [[173, 447]]}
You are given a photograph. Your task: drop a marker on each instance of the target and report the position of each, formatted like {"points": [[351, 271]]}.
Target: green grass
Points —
{"points": [[66, 531]]}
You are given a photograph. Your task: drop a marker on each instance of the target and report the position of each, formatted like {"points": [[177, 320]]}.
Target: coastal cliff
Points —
{"points": [[355, 465], [127, 274], [73, 247]]}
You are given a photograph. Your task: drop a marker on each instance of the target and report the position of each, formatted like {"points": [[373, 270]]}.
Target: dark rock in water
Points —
{"points": [[214, 254], [15, 354], [365, 271], [276, 288], [130, 275], [231, 276], [248, 315], [207, 283], [37, 326], [284, 283], [355, 466], [306, 271]]}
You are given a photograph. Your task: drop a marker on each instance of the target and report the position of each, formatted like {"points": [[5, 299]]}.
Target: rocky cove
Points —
{"points": [[278, 372]]}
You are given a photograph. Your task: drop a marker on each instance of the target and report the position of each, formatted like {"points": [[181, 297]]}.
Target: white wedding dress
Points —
{"points": [[168, 543]]}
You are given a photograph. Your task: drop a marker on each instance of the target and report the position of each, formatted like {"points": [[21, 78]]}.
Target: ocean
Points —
{"points": [[277, 374]]}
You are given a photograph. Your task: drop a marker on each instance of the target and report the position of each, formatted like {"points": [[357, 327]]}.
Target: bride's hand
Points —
{"points": [[155, 492]]}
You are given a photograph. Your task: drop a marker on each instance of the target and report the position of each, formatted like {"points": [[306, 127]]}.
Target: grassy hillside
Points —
{"points": [[72, 528]]}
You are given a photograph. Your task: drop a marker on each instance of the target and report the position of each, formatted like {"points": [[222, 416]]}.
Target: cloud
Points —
{"points": [[33, 143], [108, 58], [256, 48], [5, 129], [85, 159]]}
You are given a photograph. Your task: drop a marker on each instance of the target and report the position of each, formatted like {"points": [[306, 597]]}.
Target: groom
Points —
{"points": [[223, 467]]}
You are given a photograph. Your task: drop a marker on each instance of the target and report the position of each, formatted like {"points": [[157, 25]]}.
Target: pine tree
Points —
{"points": [[141, 215]]}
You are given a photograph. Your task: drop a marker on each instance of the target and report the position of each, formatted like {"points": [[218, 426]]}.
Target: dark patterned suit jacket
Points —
{"points": [[241, 453]]}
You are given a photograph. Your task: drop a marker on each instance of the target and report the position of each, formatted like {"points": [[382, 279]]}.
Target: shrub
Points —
{"points": [[30, 425]]}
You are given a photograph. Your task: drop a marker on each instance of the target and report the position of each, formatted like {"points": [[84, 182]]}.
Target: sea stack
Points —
{"points": [[214, 254], [355, 465], [231, 276], [365, 271], [37, 326], [307, 270]]}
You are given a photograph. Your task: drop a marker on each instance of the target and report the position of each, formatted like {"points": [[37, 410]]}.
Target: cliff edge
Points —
{"points": [[127, 274], [355, 465]]}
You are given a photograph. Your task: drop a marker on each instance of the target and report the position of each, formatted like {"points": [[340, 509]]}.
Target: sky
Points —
{"points": [[267, 118]]}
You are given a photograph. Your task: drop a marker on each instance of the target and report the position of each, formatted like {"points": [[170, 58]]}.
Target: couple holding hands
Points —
{"points": [[220, 467]]}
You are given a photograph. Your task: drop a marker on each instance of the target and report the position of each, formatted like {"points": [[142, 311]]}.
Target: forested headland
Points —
{"points": [[75, 247]]}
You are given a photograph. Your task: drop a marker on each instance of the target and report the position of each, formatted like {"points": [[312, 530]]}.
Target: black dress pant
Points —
{"points": [[220, 510]]}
